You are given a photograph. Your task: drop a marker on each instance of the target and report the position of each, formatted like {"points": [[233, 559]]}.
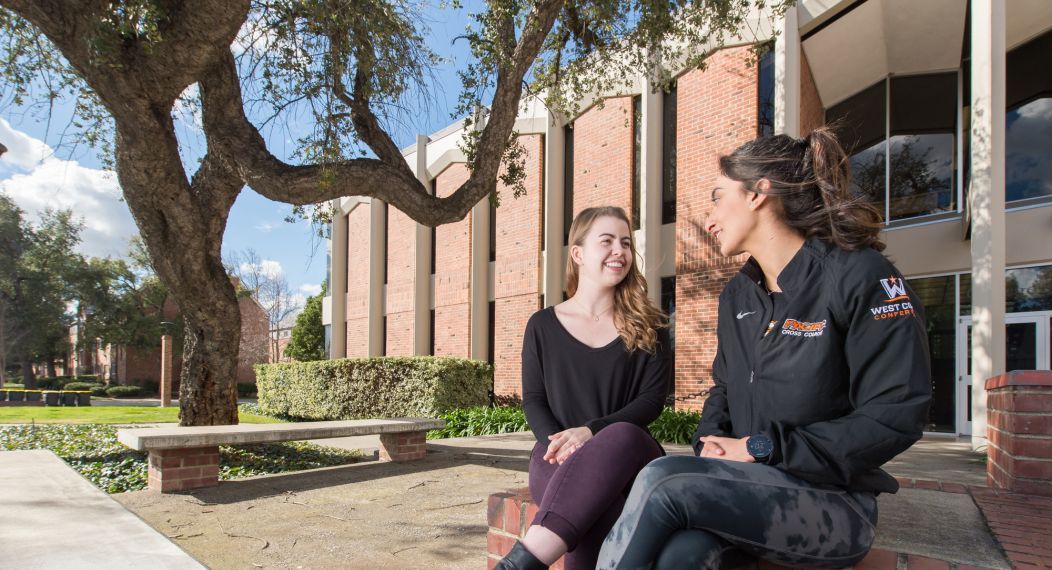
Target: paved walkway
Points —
{"points": [[54, 518], [432, 513]]}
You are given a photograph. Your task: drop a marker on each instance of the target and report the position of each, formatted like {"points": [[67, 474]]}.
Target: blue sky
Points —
{"points": [[37, 176]]}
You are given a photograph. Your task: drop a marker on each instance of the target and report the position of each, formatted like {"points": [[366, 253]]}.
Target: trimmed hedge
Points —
{"points": [[384, 387], [81, 386], [123, 391]]}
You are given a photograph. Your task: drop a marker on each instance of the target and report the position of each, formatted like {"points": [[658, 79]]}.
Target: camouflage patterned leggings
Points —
{"points": [[689, 512]]}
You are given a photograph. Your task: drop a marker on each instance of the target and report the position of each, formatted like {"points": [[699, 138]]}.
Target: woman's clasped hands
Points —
{"points": [[564, 443]]}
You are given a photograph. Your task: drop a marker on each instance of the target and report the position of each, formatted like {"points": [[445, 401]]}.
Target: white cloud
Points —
{"points": [[23, 151], [310, 289], [266, 227], [94, 196], [267, 267]]}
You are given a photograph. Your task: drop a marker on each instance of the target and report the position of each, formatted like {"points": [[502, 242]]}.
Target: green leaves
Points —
{"points": [[93, 450], [675, 426], [307, 340]]}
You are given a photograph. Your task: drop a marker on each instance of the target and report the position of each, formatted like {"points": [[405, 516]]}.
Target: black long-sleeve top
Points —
{"points": [[566, 383], [836, 372]]}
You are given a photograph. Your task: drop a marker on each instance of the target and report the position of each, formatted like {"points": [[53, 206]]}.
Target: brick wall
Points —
{"points": [[255, 339], [358, 228], [603, 156], [517, 279], [812, 113], [401, 267], [1019, 429], [453, 273], [717, 112]]}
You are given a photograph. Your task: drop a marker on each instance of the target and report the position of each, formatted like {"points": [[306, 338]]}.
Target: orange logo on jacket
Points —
{"points": [[793, 327]]}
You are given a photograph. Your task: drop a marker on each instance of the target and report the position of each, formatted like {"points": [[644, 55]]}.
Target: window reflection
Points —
{"points": [[868, 169], [1028, 138], [921, 175]]}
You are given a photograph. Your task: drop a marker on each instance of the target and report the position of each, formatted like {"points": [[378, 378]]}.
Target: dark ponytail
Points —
{"points": [[812, 179]]}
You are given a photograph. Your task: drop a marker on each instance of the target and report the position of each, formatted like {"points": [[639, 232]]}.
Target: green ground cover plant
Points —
{"points": [[105, 415], [672, 426], [93, 450]]}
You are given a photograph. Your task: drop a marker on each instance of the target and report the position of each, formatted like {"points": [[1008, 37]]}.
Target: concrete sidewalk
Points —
{"points": [[54, 518], [432, 513]]}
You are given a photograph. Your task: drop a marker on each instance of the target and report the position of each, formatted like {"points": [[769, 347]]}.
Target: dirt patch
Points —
{"points": [[424, 514]]}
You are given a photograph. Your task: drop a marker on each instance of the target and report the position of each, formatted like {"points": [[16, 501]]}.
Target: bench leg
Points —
{"points": [[183, 469], [407, 446]]}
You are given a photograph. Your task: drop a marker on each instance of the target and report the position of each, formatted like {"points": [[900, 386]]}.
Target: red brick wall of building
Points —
{"points": [[602, 155], [255, 339], [717, 112], [453, 274], [517, 279], [401, 279], [812, 113], [358, 244]]}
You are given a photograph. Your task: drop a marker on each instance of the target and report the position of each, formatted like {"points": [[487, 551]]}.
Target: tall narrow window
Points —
{"points": [[637, 156], [669, 114], [668, 304], [434, 233], [923, 159], [387, 237], [383, 341], [492, 331], [861, 126], [765, 92], [492, 230], [567, 183], [1028, 132], [431, 346]]}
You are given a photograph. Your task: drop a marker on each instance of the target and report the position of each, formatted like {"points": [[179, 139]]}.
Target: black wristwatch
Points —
{"points": [[759, 447]]}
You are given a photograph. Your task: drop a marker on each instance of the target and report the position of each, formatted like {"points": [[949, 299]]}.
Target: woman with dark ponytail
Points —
{"points": [[821, 376]]}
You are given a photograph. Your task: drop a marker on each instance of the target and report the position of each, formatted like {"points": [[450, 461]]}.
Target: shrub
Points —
{"points": [[72, 386], [675, 426], [246, 388], [383, 387], [123, 391], [98, 391], [150, 386], [10, 386], [671, 426]]}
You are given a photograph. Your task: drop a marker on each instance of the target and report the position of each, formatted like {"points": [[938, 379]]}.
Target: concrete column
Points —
{"points": [[166, 370], [480, 228], [554, 264], [987, 203], [338, 282], [649, 236], [377, 235], [422, 281], [787, 76]]}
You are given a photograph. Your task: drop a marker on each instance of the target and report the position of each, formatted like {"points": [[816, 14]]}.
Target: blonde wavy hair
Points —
{"points": [[635, 315]]}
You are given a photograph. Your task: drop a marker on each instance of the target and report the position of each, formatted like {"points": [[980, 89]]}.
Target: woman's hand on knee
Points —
{"points": [[727, 448], [565, 443]]}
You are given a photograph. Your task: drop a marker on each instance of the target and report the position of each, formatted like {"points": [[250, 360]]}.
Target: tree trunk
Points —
{"points": [[51, 367], [208, 381], [28, 378]]}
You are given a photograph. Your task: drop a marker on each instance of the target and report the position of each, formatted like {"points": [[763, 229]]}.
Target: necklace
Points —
{"points": [[594, 317]]}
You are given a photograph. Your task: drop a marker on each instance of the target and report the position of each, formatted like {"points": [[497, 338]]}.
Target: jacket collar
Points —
{"points": [[795, 274]]}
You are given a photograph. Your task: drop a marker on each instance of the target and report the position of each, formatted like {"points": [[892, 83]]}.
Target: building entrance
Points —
{"points": [[1028, 346]]}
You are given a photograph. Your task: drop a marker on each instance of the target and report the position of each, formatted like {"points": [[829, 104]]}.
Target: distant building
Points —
{"points": [[129, 365]]}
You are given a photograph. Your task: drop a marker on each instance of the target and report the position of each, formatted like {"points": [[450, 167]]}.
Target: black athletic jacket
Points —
{"points": [[838, 377]]}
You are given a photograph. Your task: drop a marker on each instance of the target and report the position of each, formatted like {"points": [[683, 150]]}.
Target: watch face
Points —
{"points": [[759, 446]]}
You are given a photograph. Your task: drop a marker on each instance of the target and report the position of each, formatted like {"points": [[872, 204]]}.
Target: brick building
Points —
{"points": [[949, 125], [117, 364]]}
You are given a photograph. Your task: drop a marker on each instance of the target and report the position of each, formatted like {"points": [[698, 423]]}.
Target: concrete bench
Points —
{"points": [[183, 458]]}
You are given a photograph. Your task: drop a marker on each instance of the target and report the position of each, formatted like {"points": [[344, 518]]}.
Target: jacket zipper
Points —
{"points": [[768, 304]]}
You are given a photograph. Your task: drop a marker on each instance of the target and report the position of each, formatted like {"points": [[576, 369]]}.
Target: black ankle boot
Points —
{"points": [[520, 559]]}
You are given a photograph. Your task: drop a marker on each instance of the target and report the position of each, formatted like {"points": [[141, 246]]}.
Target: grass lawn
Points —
{"points": [[103, 415]]}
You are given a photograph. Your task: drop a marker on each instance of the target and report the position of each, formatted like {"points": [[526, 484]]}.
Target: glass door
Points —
{"points": [[1027, 347]]}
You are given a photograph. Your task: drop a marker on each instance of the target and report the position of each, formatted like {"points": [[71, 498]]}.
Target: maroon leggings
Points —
{"points": [[581, 499]]}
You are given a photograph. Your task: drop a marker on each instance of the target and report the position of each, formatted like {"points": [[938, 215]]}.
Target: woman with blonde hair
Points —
{"points": [[595, 372]]}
